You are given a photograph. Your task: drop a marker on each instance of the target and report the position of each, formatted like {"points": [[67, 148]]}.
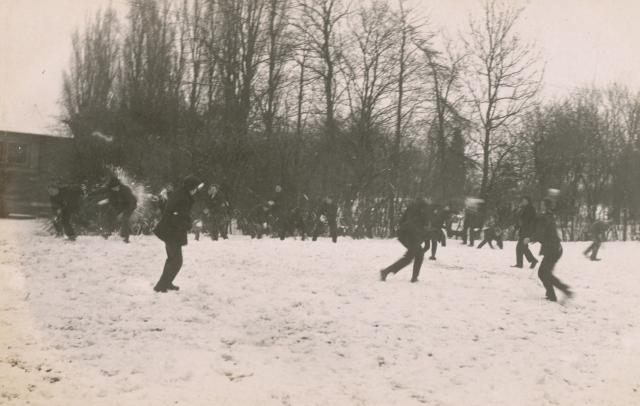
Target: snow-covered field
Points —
{"points": [[299, 323]]}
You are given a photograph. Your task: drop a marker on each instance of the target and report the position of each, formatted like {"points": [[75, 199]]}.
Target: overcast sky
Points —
{"points": [[583, 42]]}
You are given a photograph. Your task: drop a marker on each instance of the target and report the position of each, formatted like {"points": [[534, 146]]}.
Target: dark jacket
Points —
{"points": [[546, 233], [527, 221], [598, 230], [471, 219], [415, 221], [176, 218], [67, 200], [121, 200]]}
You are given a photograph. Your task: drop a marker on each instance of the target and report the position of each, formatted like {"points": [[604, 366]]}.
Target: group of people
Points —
{"points": [[422, 222], [117, 204], [421, 228]]}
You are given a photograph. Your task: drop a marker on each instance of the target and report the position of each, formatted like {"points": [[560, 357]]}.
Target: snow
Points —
{"points": [[266, 322]]}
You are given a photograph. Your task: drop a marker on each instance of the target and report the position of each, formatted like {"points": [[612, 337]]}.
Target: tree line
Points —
{"points": [[357, 100]]}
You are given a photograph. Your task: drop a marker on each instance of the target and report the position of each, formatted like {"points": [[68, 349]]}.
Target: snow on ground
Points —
{"points": [[300, 323]]}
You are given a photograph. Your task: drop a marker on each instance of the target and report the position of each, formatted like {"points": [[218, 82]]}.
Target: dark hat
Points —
{"points": [[191, 182]]}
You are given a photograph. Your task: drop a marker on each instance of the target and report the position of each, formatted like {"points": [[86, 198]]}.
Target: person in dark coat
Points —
{"points": [[469, 224], [327, 210], [526, 227], [217, 213], [413, 230], [296, 221], [122, 204], [436, 234], [257, 220], [546, 233], [65, 201], [597, 230], [172, 230], [277, 213], [492, 233]]}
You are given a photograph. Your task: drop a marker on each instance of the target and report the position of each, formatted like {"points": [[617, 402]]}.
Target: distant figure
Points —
{"points": [[216, 213], [440, 219], [526, 227], [65, 201], [122, 204], [257, 220], [597, 230], [296, 222], [278, 212], [412, 231], [492, 233], [472, 220], [546, 233], [326, 211], [173, 228]]}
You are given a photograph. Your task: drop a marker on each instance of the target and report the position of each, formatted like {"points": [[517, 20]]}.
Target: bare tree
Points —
{"points": [[319, 26], [503, 79], [89, 85], [445, 71]]}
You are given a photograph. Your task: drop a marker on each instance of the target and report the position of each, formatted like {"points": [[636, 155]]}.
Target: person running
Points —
{"points": [[412, 231], [546, 233], [492, 233], [598, 231], [526, 227], [172, 230]]}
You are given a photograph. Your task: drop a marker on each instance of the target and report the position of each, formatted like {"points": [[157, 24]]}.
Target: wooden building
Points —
{"points": [[28, 162]]}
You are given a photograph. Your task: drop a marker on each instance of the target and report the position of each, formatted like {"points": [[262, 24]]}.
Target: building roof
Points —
{"points": [[4, 133]]}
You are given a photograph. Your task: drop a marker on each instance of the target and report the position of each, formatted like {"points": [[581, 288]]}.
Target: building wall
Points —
{"points": [[27, 163]]}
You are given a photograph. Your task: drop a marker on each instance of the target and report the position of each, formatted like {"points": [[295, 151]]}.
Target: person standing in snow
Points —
{"points": [[526, 227], [65, 201], [597, 230], [122, 204], [436, 235], [172, 230], [216, 213], [469, 225], [546, 233], [413, 230], [328, 211]]}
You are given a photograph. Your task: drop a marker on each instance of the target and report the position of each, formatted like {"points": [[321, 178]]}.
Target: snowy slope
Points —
{"points": [[300, 323]]}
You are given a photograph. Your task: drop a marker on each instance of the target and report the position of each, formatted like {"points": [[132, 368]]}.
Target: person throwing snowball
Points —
{"points": [[172, 230]]}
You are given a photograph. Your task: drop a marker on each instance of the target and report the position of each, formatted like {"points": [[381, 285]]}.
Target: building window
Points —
{"points": [[17, 154]]}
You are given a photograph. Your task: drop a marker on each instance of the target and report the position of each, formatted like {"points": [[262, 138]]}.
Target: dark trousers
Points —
{"points": [[522, 249], [171, 266], [217, 227], [333, 229], [468, 230], [110, 222], [498, 241], [298, 226], [593, 248], [62, 224], [125, 226], [433, 245], [545, 273], [414, 253]]}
